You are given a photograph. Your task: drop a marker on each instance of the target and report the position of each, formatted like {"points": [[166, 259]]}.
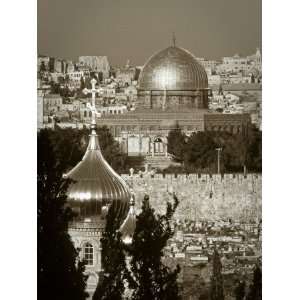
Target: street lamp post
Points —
{"points": [[219, 155]]}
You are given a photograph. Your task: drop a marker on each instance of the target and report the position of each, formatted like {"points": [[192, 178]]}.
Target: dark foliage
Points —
{"points": [[60, 272], [217, 291], [176, 144], [240, 291], [151, 278], [70, 145], [198, 152], [255, 289], [111, 287]]}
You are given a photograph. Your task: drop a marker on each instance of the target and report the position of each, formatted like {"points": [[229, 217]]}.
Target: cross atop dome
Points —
{"points": [[92, 106], [96, 183]]}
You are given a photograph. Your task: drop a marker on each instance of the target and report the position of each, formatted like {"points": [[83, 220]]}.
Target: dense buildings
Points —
{"points": [[172, 92], [214, 211], [96, 64], [126, 74]]}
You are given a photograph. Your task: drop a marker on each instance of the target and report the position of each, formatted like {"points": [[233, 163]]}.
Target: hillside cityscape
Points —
{"points": [[179, 125], [235, 84]]}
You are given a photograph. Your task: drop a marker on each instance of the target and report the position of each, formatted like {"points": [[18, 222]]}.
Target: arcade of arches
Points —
{"points": [[145, 145]]}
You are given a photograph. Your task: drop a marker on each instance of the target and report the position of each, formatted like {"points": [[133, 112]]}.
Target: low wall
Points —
{"points": [[204, 196]]}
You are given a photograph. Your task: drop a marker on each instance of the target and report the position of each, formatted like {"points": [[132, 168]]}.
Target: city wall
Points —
{"points": [[202, 197]]}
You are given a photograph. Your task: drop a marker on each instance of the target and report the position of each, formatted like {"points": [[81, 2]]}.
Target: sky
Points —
{"points": [[136, 29]]}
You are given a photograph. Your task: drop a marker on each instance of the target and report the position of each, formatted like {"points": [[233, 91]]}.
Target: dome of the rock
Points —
{"points": [[173, 68]]}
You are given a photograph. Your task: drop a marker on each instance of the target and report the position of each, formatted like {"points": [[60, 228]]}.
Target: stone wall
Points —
{"points": [[202, 196]]}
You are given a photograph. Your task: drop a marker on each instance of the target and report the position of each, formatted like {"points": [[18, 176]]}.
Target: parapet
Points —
{"points": [[194, 177]]}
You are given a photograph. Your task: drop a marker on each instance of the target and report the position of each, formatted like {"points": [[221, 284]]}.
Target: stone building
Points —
{"points": [[96, 64], [172, 92], [126, 74], [76, 77], [60, 66], [43, 60], [70, 66]]}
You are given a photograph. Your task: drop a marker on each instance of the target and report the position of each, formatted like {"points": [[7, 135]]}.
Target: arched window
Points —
{"points": [[88, 254]]}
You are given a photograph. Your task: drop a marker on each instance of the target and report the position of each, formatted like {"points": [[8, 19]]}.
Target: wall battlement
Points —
{"points": [[202, 196], [195, 177]]}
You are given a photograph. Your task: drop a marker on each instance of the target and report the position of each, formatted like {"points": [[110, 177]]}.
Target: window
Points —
{"points": [[88, 254]]}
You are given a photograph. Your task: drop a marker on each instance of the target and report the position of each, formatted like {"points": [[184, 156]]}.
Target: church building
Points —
{"points": [[96, 189]]}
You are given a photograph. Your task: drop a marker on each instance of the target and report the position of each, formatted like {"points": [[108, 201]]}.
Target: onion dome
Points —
{"points": [[128, 226], [97, 185], [173, 68]]}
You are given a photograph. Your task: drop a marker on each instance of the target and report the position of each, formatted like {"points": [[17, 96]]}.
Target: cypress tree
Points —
{"points": [[255, 290], [151, 278], [217, 292], [111, 285], [60, 272]]}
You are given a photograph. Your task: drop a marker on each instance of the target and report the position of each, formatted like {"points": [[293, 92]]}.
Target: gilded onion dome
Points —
{"points": [[96, 185], [128, 226], [173, 68]]}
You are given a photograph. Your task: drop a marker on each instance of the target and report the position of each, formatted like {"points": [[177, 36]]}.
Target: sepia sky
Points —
{"points": [[135, 29]]}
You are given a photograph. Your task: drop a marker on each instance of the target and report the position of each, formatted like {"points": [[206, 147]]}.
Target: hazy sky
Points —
{"points": [[135, 29]]}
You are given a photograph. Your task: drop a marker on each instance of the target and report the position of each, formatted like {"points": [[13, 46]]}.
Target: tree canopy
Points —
{"points": [[255, 289], [60, 272], [144, 276], [198, 151], [70, 145], [176, 143], [112, 285], [240, 291], [151, 278]]}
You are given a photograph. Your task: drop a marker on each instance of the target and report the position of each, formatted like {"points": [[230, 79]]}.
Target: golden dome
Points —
{"points": [[96, 183], [173, 69]]}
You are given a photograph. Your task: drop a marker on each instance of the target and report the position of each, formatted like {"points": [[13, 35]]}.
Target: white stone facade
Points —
{"points": [[86, 238]]}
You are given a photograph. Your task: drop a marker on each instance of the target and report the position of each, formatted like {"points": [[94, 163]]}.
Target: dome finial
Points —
{"points": [[92, 106], [174, 39]]}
